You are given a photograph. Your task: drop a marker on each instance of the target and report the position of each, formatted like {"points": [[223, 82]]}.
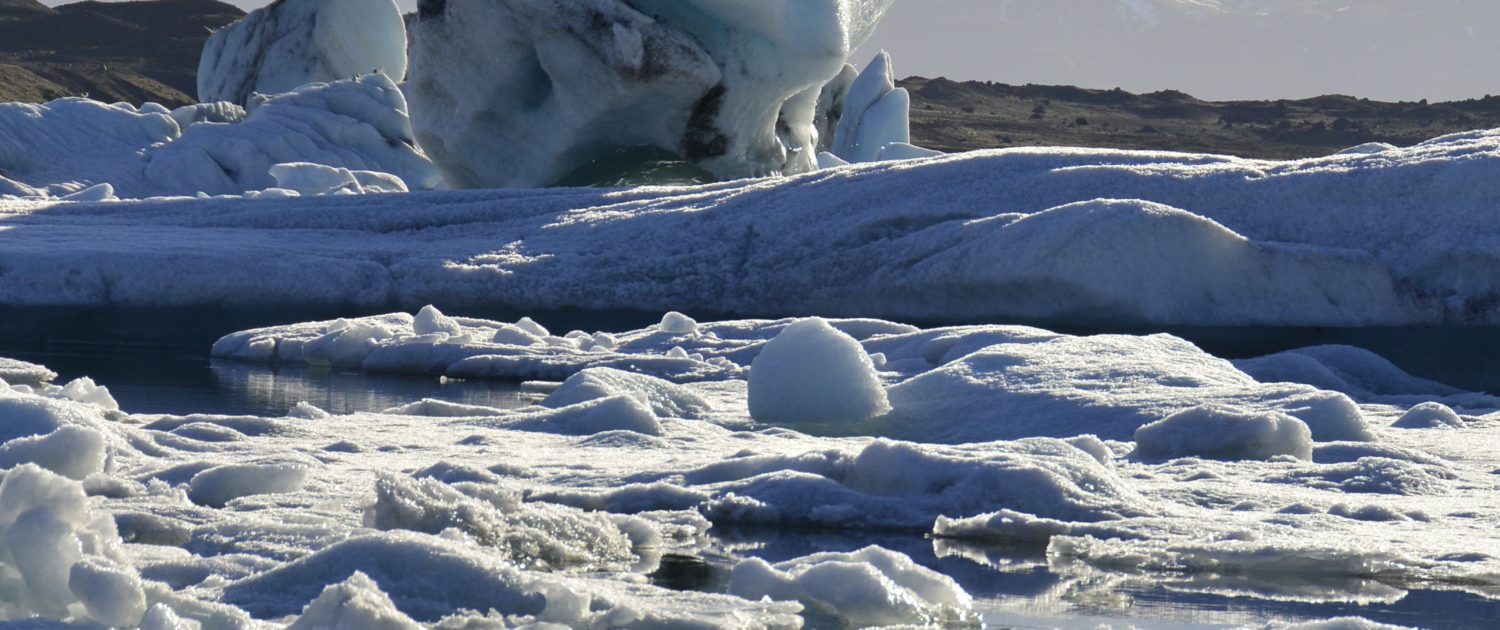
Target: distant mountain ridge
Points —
{"points": [[112, 51]]}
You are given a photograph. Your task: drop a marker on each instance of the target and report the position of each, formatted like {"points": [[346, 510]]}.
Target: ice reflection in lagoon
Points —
{"points": [[149, 379]]}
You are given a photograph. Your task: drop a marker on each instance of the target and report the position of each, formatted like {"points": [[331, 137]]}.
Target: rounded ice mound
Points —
{"points": [[431, 321], [1430, 415], [665, 399], [1218, 432], [865, 588], [814, 373], [675, 323], [217, 486]]}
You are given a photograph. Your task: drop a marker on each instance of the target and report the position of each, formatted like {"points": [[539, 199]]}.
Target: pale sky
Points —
{"points": [[1215, 49]]}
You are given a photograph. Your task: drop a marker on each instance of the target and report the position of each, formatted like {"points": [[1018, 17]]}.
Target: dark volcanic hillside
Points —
{"points": [[960, 116], [112, 51]]}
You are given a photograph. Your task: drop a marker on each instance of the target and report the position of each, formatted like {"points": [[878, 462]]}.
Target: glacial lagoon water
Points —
{"points": [[167, 370]]}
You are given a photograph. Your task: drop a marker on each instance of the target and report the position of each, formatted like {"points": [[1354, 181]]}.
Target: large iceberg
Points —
{"points": [[1397, 238], [561, 88], [292, 43]]}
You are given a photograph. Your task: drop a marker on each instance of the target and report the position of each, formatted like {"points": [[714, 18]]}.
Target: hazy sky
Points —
{"points": [[1217, 49]]}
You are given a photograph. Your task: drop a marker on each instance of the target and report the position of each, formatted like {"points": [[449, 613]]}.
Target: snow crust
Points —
{"points": [[1396, 238], [286, 45]]}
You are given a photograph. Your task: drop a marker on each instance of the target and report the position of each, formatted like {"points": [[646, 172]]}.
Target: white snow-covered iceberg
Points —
{"points": [[1399, 238], [70, 146], [529, 92], [292, 43]]}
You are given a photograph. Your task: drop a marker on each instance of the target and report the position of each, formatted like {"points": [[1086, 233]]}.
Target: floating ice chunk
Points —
{"points": [[1217, 432], [814, 373], [217, 486], [430, 321], [530, 326], [354, 604], [360, 125], [675, 323], [427, 577], [345, 347], [1009, 527], [621, 412], [1105, 385], [665, 399], [1357, 372], [293, 43], [84, 390], [17, 372], [865, 588], [312, 180], [876, 114], [111, 593], [895, 485], [1430, 415], [507, 334]]}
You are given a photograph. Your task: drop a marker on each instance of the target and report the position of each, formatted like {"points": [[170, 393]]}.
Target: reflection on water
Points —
{"points": [[163, 379]]}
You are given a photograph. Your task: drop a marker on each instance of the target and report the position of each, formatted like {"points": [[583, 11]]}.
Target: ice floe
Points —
{"points": [[1153, 457], [1033, 234]]}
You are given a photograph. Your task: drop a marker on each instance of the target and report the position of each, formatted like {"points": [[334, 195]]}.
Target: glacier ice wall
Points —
{"points": [[292, 43], [526, 92]]}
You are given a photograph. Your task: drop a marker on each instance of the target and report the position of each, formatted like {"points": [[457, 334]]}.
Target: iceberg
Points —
{"points": [[1040, 235], [731, 86], [292, 43], [80, 150]]}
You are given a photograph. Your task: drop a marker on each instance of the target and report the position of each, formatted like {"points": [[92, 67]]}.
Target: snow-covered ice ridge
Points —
{"points": [[1393, 237], [84, 150], [431, 511]]}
